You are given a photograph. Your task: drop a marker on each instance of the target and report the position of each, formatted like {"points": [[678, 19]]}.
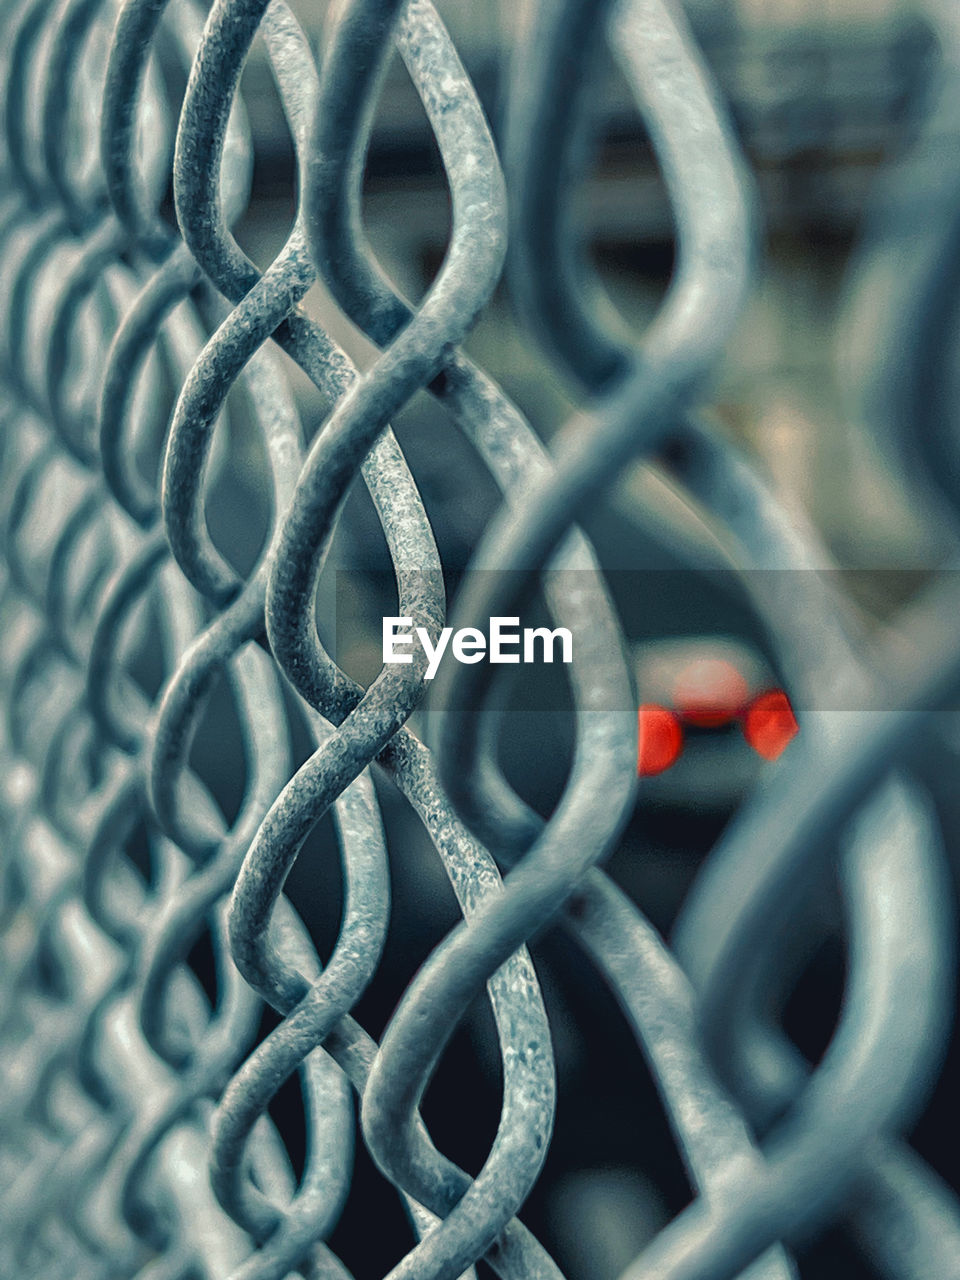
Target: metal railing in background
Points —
{"points": [[145, 359]]}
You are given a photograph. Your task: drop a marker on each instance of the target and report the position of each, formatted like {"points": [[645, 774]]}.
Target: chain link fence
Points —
{"points": [[214, 833]]}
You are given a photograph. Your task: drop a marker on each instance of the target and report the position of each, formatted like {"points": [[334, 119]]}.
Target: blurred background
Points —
{"points": [[845, 109]]}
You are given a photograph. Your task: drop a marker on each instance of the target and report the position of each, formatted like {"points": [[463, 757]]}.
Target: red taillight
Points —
{"points": [[660, 739], [769, 724]]}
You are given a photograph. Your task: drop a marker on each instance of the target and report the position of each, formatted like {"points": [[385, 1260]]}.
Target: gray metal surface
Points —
{"points": [[135, 1132]]}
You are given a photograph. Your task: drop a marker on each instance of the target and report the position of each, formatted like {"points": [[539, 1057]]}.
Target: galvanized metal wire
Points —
{"points": [[135, 1125]]}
